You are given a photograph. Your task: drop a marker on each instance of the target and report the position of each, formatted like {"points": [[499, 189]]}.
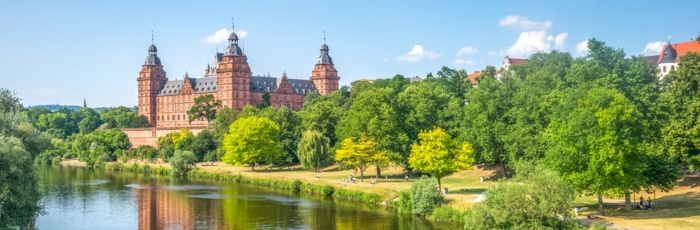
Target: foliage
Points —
{"points": [[295, 185], [446, 213], [536, 199], [265, 101], [204, 107], [360, 153], [123, 117], [424, 197], [438, 154], [250, 140], [374, 114], [314, 150], [182, 162], [9, 101], [18, 184], [328, 190], [99, 146], [681, 135], [405, 202]]}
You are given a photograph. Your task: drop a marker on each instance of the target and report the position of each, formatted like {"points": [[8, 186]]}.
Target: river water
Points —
{"points": [[81, 198]]}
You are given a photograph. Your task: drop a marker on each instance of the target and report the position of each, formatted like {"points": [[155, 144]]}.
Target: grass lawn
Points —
{"points": [[676, 209]]}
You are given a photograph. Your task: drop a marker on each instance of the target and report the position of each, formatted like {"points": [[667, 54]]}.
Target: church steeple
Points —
{"points": [[324, 58], [84, 102]]}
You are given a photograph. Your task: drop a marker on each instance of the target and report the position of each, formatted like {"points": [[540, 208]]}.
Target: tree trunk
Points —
{"points": [[379, 172], [600, 205], [628, 203], [362, 175], [439, 184], [252, 166]]}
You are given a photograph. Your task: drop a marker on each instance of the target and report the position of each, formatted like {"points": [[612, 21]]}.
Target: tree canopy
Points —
{"points": [[438, 154], [251, 140]]}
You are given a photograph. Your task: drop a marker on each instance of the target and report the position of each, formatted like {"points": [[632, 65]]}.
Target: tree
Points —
{"points": [[681, 135], [123, 117], [360, 153], [9, 101], [182, 162], [265, 101], [424, 197], [18, 183], [204, 106], [374, 113], [314, 150], [488, 116], [597, 143], [438, 154], [250, 140]]}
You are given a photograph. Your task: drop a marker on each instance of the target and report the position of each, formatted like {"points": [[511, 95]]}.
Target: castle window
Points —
{"points": [[214, 87], [664, 69], [673, 67]]}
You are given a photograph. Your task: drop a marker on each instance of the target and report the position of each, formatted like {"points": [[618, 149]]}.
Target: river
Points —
{"points": [[82, 198]]}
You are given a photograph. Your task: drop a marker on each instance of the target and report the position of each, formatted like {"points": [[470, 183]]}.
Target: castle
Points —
{"points": [[229, 79]]}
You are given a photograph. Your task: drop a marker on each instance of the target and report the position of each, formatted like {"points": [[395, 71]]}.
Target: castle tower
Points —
{"points": [[233, 76], [151, 78], [324, 75]]}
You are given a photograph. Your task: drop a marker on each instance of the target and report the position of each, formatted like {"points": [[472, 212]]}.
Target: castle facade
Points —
{"points": [[229, 79]]}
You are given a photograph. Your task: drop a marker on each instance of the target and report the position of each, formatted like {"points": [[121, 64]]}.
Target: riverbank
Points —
{"points": [[676, 209]]}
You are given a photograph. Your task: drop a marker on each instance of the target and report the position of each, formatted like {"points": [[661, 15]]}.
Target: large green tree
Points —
{"points": [[250, 140], [314, 150], [204, 107], [597, 143], [438, 154], [681, 135], [374, 113]]}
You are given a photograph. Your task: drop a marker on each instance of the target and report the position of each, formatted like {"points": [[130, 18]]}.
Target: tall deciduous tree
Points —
{"points": [[250, 140], [314, 150], [204, 106], [438, 154], [361, 153], [681, 135], [373, 113], [597, 143]]}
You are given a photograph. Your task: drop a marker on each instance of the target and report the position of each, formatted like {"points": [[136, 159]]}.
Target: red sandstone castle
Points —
{"points": [[229, 79]]}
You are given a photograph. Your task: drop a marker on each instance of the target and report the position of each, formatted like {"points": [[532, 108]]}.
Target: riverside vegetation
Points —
{"points": [[599, 126]]}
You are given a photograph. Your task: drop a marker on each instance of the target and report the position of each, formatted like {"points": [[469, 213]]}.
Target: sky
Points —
{"points": [[61, 52]]}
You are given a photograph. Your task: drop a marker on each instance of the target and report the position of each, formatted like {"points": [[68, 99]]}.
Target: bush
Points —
{"points": [[446, 213], [328, 190], [113, 166], [425, 197], [181, 162], [295, 186], [146, 168], [56, 160], [405, 202], [538, 200]]}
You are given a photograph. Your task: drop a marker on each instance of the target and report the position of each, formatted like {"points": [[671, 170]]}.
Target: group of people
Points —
{"points": [[641, 203]]}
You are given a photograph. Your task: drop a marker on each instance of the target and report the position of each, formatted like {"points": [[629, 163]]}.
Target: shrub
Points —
{"points": [[113, 166], [425, 197], [446, 213], [328, 190], [56, 160], [295, 186], [181, 162], [146, 168], [405, 202]]}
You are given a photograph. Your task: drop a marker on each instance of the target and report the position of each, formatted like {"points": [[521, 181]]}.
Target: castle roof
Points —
{"points": [[270, 84], [679, 49]]}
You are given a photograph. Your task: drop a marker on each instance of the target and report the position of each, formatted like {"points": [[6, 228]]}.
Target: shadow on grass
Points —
{"points": [[468, 191], [671, 206]]}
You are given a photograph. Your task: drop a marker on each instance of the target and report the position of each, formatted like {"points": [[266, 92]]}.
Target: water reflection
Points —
{"points": [[79, 198]]}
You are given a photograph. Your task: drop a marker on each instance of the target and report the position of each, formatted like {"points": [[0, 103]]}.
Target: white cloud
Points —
{"points": [[653, 48], [560, 41], [582, 47], [523, 23], [417, 54], [222, 35], [467, 50], [531, 42], [463, 62]]}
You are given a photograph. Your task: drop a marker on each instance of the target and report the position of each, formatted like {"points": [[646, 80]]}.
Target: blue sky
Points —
{"points": [[64, 51]]}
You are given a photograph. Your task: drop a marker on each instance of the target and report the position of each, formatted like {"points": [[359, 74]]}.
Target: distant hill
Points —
{"points": [[56, 107], [71, 107]]}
